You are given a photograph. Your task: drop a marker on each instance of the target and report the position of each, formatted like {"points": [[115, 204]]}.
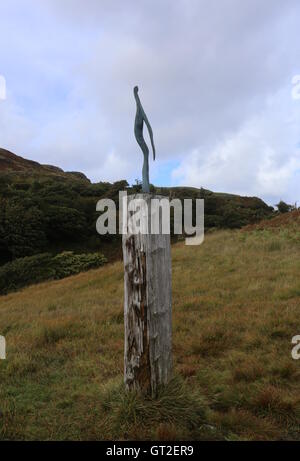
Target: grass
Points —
{"points": [[235, 311]]}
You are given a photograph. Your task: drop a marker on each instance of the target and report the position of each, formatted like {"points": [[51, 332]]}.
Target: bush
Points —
{"points": [[68, 263], [24, 271], [39, 268], [284, 207]]}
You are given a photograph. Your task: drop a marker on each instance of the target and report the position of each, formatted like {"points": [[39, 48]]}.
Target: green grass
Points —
{"points": [[235, 311]]}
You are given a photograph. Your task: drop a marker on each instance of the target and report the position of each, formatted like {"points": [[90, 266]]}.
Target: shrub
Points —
{"points": [[25, 271], [68, 263], [284, 207], [39, 268]]}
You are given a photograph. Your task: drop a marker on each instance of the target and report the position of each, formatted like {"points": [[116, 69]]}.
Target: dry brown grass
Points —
{"points": [[289, 219], [235, 311]]}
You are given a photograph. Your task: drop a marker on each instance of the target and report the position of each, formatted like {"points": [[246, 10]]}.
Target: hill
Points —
{"points": [[20, 167], [235, 311]]}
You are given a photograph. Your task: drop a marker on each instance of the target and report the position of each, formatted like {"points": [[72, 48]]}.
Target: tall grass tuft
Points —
{"points": [[176, 403]]}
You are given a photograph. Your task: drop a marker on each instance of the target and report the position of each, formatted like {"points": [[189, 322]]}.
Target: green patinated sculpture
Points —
{"points": [[140, 118]]}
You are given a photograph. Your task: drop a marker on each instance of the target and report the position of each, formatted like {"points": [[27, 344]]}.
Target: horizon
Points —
{"points": [[216, 82]]}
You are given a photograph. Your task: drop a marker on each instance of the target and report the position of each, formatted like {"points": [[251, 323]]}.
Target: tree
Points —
{"points": [[284, 207]]}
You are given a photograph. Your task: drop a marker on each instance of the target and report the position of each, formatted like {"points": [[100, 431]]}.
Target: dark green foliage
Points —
{"points": [[68, 263], [25, 271], [51, 214], [284, 207], [38, 268], [63, 222], [222, 210], [22, 228], [233, 218]]}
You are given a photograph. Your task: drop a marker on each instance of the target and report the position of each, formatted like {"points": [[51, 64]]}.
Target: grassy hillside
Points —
{"points": [[235, 310]]}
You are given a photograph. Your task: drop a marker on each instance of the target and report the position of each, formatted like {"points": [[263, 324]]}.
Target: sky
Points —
{"points": [[215, 78]]}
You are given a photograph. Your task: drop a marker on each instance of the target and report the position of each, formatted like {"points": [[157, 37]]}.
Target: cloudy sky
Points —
{"points": [[215, 79]]}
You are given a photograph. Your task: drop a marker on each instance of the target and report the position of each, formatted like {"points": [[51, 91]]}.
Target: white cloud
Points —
{"points": [[260, 158]]}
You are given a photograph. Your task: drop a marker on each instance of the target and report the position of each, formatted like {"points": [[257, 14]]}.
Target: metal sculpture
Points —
{"points": [[140, 118]]}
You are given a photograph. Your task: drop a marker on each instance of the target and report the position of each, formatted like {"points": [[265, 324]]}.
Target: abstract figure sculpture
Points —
{"points": [[140, 118]]}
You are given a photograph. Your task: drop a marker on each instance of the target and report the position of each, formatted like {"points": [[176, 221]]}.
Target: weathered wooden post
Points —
{"points": [[147, 299]]}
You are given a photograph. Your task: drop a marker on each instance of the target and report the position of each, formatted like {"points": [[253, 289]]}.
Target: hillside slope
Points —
{"points": [[282, 221], [235, 311], [14, 164]]}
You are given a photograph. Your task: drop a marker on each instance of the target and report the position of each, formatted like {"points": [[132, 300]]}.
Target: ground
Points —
{"points": [[235, 311]]}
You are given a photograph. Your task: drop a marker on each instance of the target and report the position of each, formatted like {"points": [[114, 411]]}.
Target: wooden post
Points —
{"points": [[147, 306]]}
